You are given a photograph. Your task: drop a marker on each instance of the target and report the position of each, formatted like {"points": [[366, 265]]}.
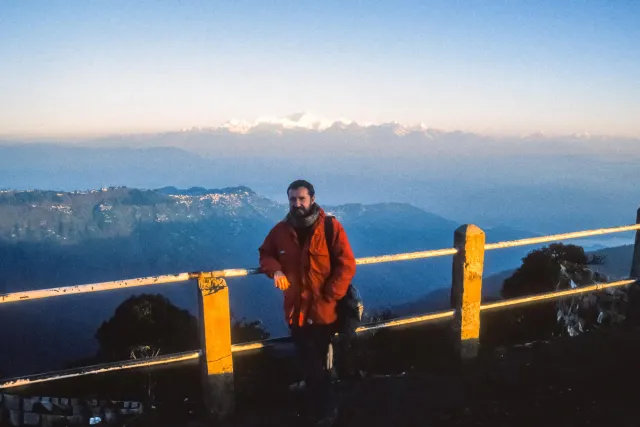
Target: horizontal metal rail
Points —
{"points": [[441, 315], [257, 345], [406, 256], [94, 287], [239, 272], [557, 294], [100, 369], [402, 321], [181, 357], [564, 236], [452, 251]]}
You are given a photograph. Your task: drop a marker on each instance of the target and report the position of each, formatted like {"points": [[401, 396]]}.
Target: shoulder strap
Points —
{"points": [[328, 234]]}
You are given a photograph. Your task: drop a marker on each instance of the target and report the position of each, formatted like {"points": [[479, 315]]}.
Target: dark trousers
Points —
{"points": [[312, 345]]}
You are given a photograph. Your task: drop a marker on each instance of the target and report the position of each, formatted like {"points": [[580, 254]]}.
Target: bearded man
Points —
{"points": [[313, 274]]}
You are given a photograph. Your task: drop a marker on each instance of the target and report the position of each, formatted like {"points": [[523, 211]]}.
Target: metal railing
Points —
{"points": [[240, 272], [217, 352]]}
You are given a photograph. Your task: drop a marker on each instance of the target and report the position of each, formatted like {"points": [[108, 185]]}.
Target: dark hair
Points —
{"points": [[299, 183]]}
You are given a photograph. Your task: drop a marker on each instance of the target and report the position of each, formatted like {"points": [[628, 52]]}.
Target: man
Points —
{"points": [[296, 256]]}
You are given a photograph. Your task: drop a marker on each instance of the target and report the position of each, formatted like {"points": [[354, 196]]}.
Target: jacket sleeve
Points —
{"points": [[344, 267], [269, 263]]}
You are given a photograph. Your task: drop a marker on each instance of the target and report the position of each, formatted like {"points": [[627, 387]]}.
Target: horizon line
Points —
{"points": [[79, 137], [298, 121]]}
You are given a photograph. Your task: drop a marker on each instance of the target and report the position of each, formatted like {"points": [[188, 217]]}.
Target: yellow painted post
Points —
{"points": [[466, 288], [635, 261], [215, 338]]}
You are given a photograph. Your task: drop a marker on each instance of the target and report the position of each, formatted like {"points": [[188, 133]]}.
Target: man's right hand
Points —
{"points": [[281, 281]]}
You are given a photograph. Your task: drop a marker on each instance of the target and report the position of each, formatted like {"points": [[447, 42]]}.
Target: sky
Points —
{"points": [[78, 68]]}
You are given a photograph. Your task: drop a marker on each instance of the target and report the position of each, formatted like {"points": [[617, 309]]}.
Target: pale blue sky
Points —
{"points": [[92, 67]]}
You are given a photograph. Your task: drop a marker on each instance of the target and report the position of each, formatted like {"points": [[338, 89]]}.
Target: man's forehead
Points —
{"points": [[298, 192]]}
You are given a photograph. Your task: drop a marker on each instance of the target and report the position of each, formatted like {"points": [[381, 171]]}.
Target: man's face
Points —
{"points": [[300, 202]]}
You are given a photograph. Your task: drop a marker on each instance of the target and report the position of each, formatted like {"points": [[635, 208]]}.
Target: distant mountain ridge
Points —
{"points": [[463, 177], [71, 217]]}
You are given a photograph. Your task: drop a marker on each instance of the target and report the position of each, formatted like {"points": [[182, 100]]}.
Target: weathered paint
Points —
{"points": [[635, 261], [215, 341], [556, 295], [557, 237], [99, 369], [230, 272], [93, 287], [468, 264]]}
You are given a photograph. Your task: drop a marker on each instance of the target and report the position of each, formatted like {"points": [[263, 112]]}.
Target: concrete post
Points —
{"points": [[466, 288], [215, 338]]}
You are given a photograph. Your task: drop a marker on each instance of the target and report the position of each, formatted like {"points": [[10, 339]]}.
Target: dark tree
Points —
{"points": [[244, 330], [150, 325], [146, 325], [540, 272]]}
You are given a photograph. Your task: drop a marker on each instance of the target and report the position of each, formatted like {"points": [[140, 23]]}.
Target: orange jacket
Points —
{"points": [[314, 289]]}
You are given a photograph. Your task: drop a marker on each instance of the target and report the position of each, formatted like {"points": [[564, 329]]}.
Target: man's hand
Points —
{"points": [[281, 281]]}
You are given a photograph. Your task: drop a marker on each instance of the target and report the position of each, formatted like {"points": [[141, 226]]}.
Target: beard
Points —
{"points": [[300, 212]]}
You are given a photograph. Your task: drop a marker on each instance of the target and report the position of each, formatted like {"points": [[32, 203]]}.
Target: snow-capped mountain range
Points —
{"points": [[312, 122]]}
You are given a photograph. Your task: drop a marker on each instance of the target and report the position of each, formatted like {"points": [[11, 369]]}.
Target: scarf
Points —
{"points": [[305, 221]]}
